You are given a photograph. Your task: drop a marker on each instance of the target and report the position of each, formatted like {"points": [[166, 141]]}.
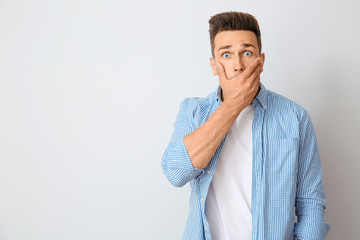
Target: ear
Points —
{"points": [[262, 56], [213, 66]]}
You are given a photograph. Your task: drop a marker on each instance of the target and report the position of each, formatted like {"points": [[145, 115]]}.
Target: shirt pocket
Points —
{"points": [[281, 157]]}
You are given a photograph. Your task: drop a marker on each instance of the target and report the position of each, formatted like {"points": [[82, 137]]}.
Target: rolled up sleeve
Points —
{"points": [[310, 198], [176, 163]]}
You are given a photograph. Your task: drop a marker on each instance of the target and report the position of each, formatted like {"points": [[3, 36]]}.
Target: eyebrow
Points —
{"points": [[244, 45]]}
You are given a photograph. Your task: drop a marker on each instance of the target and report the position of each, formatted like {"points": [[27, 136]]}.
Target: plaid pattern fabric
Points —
{"points": [[286, 174]]}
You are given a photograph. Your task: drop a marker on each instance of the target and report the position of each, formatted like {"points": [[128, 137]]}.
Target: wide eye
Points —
{"points": [[226, 55], [247, 53]]}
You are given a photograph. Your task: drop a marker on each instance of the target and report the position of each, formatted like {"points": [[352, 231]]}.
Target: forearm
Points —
{"points": [[202, 143]]}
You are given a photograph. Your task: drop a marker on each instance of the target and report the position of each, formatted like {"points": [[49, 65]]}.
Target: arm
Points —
{"points": [[202, 143], [176, 163], [190, 150], [310, 196], [238, 93]]}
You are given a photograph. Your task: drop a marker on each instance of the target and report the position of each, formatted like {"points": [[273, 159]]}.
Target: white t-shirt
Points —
{"points": [[229, 198]]}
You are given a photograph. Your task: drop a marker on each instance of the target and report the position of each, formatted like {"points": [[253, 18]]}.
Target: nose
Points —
{"points": [[238, 65]]}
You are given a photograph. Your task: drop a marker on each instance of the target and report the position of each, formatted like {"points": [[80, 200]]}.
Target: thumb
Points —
{"points": [[221, 72]]}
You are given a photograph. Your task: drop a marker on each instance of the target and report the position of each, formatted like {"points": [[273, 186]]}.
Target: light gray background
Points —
{"points": [[89, 91]]}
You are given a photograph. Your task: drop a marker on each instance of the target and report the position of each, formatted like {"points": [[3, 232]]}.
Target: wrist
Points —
{"points": [[232, 106]]}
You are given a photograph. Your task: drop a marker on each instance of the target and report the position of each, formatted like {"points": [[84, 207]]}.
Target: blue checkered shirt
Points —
{"points": [[286, 174]]}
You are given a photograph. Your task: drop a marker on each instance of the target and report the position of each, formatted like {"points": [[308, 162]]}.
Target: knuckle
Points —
{"points": [[248, 85]]}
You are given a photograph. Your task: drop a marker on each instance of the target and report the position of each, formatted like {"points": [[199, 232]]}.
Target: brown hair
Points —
{"points": [[230, 21]]}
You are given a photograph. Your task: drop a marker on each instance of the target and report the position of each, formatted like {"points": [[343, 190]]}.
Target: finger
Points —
{"points": [[254, 65], [221, 72], [256, 73], [256, 84], [257, 80], [235, 76], [259, 69]]}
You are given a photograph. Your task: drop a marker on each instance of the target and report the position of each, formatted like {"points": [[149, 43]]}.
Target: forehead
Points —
{"points": [[234, 38]]}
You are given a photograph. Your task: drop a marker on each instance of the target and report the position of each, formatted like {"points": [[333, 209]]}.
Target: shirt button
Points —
{"points": [[202, 199], [205, 227], [208, 171]]}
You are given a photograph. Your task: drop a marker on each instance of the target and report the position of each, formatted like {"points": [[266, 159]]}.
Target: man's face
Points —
{"points": [[235, 50]]}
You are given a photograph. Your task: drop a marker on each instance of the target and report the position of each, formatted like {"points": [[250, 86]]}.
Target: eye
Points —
{"points": [[226, 55], [247, 53]]}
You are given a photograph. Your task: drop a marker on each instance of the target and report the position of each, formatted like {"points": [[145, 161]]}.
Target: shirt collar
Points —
{"points": [[260, 99]]}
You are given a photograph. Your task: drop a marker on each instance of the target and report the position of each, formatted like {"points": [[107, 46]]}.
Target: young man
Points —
{"points": [[250, 155]]}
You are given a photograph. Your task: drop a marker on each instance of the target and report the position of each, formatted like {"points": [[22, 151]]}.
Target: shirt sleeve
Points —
{"points": [[176, 163], [310, 196]]}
